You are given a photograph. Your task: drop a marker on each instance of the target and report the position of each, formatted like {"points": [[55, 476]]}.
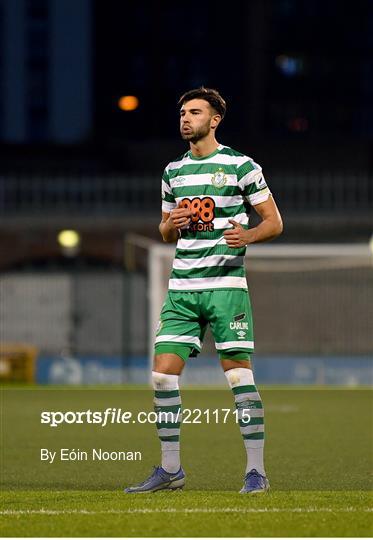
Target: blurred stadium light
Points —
{"points": [[289, 65], [128, 103]]}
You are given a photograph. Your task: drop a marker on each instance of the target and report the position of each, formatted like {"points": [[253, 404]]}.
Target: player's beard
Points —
{"points": [[197, 134]]}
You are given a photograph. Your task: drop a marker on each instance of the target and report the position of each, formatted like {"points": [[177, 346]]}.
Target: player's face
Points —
{"points": [[195, 120]]}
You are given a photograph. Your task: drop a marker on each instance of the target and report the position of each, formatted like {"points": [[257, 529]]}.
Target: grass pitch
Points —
{"points": [[318, 459], [188, 513]]}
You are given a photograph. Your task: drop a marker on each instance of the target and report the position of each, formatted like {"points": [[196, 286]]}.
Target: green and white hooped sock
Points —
{"points": [[167, 400], [246, 396]]}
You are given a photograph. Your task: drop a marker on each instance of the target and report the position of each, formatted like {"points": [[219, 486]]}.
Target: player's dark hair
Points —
{"points": [[208, 94]]}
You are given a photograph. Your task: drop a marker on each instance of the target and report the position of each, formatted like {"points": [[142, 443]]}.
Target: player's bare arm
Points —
{"points": [[172, 222], [270, 226]]}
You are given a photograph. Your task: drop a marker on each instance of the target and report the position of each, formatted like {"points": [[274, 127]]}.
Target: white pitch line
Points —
{"points": [[42, 511]]}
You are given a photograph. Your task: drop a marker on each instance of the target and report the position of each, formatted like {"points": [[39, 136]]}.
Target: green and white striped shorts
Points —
{"points": [[185, 316]]}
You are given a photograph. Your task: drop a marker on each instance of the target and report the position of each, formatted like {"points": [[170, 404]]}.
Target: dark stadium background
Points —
{"points": [[298, 79]]}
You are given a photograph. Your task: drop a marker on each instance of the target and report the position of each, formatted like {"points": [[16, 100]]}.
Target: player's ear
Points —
{"points": [[215, 121]]}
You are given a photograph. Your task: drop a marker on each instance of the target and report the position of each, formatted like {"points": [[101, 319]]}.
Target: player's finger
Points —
{"points": [[182, 222], [231, 233], [234, 223], [229, 238], [182, 206], [184, 212], [180, 216]]}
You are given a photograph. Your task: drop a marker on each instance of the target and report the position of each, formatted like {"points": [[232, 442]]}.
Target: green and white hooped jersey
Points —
{"points": [[216, 188]]}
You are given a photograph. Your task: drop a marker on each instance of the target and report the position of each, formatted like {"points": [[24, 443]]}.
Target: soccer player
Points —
{"points": [[207, 194]]}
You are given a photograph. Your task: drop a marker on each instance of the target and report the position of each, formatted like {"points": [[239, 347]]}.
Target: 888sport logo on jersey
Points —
{"points": [[203, 213]]}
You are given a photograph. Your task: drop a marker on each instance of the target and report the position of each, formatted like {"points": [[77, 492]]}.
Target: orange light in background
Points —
{"points": [[128, 103]]}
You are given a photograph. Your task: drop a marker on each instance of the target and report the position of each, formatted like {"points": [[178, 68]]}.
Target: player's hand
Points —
{"points": [[236, 237], [180, 218]]}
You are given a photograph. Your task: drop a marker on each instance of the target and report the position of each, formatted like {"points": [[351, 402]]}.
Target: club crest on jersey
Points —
{"points": [[219, 179]]}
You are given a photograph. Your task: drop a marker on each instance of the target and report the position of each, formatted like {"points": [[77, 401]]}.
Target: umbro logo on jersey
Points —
{"points": [[180, 181]]}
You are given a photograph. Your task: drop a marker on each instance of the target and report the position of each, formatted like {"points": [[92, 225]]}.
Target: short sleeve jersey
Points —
{"points": [[218, 187]]}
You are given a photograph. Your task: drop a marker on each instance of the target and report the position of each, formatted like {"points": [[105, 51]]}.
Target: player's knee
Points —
{"points": [[228, 365], [168, 364], [171, 357], [235, 359], [159, 379]]}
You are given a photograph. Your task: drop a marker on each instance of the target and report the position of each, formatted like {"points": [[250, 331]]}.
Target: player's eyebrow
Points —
{"points": [[191, 110]]}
